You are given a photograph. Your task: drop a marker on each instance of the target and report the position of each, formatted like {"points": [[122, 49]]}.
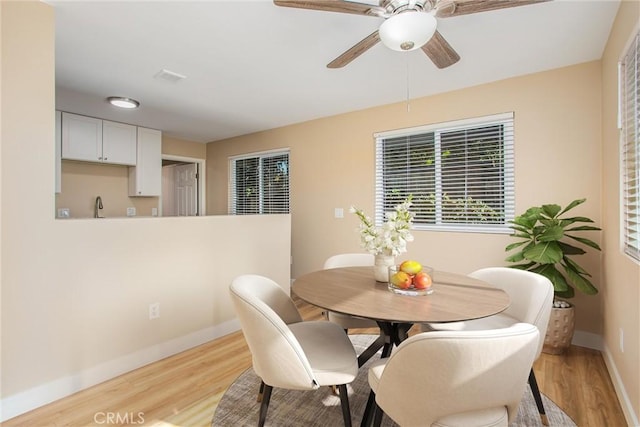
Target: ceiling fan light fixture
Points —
{"points": [[123, 102], [407, 30]]}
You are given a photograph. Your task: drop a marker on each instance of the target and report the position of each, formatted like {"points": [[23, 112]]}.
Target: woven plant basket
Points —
{"points": [[560, 330]]}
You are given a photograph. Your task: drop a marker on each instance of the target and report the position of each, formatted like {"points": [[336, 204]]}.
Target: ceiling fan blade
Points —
{"points": [[448, 8], [333, 6], [357, 50], [440, 51]]}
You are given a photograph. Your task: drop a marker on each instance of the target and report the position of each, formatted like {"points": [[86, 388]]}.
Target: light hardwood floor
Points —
{"points": [[183, 390]]}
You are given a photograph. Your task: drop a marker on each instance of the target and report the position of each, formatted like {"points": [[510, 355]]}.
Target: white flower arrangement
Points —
{"points": [[391, 238]]}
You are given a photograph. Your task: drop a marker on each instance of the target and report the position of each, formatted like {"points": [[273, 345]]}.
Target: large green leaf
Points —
{"points": [[549, 222], [521, 229], [552, 233], [538, 229], [533, 212], [576, 219], [587, 242], [573, 205], [544, 253], [584, 228], [517, 257], [569, 293], [526, 266], [551, 272], [568, 249], [574, 265], [525, 221], [580, 282], [515, 245], [551, 210]]}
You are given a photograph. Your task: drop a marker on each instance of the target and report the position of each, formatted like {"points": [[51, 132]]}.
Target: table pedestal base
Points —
{"points": [[390, 334]]}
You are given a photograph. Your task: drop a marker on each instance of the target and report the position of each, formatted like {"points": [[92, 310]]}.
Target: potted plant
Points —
{"points": [[547, 247]]}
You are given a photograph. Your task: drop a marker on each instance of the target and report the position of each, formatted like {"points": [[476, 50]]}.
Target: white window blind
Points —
{"points": [[460, 174], [630, 145], [259, 184]]}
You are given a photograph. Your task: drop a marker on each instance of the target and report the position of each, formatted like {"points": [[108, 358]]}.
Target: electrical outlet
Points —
{"points": [[338, 213], [621, 340], [64, 213], [154, 310], [131, 211]]}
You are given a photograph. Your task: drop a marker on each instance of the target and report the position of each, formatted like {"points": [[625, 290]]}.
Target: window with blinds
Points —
{"points": [[630, 146], [459, 174], [259, 184]]}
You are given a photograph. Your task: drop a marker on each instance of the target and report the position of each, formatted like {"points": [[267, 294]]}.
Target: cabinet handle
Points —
{"points": [[99, 158], [106, 158]]}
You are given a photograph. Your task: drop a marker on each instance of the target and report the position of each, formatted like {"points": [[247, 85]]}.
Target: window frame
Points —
{"points": [[507, 119], [629, 245], [261, 156]]}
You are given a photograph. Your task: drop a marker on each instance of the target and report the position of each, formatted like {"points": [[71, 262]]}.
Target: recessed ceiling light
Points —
{"points": [[122, 102]]}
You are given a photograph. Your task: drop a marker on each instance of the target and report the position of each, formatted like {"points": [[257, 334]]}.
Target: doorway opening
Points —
{"points": [[182, 186]]}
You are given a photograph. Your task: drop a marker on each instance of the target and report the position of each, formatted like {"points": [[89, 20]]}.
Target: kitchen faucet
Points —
{"points": [[98, 207]]}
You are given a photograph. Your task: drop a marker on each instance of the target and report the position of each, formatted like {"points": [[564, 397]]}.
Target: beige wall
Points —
{"points": [[622, 295], [557, 146], [183, 148], [75, 294], [82, 182]]}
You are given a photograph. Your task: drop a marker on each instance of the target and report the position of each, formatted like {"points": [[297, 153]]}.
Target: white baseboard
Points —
{"points": [[587, 339], [35, 397], [623, 397]]}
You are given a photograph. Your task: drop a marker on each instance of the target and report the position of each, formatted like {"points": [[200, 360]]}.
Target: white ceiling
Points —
{"points": [[251, 65]]}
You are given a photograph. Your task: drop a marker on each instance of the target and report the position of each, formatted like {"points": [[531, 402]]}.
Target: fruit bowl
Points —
{"points": [[410, 279]]}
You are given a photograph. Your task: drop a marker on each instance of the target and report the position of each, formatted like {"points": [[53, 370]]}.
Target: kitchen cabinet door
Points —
{"points": [[81, 138], [118, 143], [145, 179]]}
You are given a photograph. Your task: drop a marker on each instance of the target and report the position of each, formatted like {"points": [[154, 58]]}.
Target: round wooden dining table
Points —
{"points": [[354, 291]]}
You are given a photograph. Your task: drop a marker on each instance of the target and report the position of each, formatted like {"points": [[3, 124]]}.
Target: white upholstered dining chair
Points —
{"points": [[531, 297], [454, 378], [286, 351], [350, 260]]}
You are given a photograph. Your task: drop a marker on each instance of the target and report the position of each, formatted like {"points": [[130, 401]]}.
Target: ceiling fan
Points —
{"points": [[408, 24]]}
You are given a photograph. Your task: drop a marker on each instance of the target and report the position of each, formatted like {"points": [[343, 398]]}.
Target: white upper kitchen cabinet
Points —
{"points": [[118, 143], [145, 179], [81, 138], [96, 140]]}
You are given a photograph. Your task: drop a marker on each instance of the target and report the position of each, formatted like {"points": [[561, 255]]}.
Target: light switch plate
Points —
{"points": [[338, 213]]}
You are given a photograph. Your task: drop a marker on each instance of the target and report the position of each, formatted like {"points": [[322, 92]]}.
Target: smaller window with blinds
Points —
{"points": [[629, 121], [259, 183], [459, 174]]}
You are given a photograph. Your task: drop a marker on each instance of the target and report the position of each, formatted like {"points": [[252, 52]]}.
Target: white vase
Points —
{"points": [[381, 267]]}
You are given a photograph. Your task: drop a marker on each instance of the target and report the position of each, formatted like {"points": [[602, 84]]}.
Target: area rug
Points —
{"points": [[239, 407]]}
